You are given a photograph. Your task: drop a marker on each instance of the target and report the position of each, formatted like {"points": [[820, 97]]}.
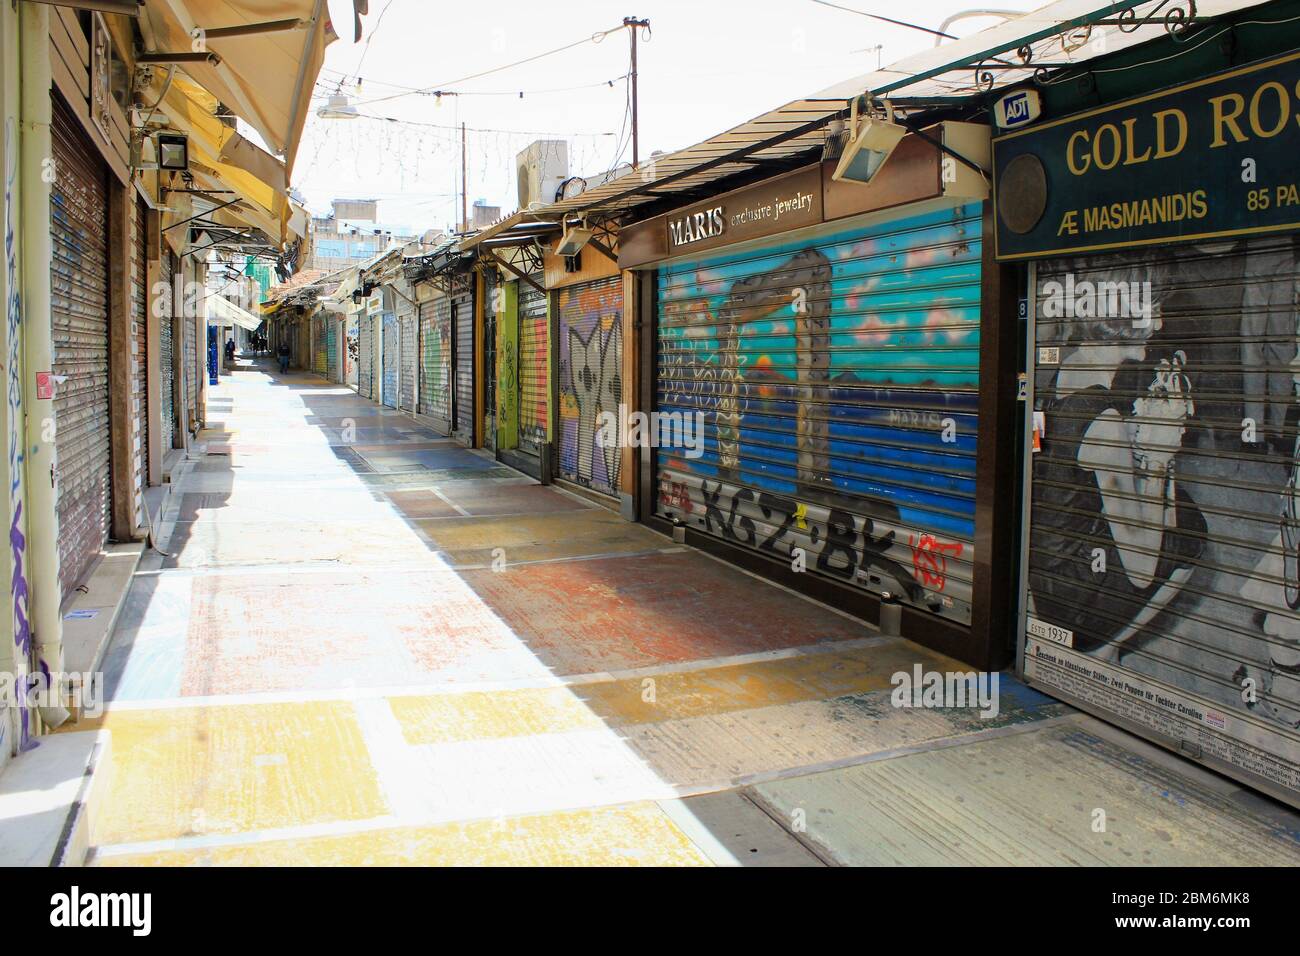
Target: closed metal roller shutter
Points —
{"points": [[351, 350], [534, 361], [320, 362], [407, 324], [591, 380], [835, 382], [79, 314], [193, 368], [390, 346], [331, 348], [1164, 526], [140, 347], [167, 358], [435, 362], [463, 326], [366, 358]]}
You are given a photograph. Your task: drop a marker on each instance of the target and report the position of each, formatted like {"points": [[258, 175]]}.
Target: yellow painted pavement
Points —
{"points": [[632, 835], [457, 717], [185, 771]]}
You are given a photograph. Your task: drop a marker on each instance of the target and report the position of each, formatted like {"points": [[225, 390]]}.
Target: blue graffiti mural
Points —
{"points": [[839, 374]]}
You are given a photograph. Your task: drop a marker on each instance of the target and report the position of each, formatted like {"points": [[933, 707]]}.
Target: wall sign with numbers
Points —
{"points": [[1211, 158]]}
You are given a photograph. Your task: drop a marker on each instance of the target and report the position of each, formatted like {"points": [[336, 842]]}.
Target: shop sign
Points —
{"points": [[1209, 159], [778, 205]]}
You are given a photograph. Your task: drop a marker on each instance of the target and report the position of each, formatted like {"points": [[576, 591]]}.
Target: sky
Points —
{"points": [[706, 66]]}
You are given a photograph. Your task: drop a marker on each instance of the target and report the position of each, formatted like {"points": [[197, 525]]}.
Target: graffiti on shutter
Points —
{"points": [[534, 361], [590, 381], [331, 347], [1164, 539], [435, 362], [79, 318], [819, 398], [320, 362], [353, 351], [390, 359]]}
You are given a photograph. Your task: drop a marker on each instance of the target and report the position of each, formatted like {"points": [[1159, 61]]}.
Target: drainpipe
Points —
{"points": [[38, 352]]}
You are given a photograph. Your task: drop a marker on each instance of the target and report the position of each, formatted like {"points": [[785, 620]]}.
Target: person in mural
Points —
{"points": [[1116, 535], [1277, 682]]}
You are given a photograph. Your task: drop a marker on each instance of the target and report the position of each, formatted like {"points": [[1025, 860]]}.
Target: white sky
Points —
{"points": [[708, 65]]}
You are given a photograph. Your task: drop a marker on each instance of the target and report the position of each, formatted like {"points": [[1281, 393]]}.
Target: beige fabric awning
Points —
{"points": [[222, 159], [265, 77], [225, 309]]}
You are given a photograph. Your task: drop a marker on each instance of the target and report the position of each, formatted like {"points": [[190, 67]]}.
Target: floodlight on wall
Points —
{"points": [[338, 107], [576, 235], [173, 152], [870, 142]]}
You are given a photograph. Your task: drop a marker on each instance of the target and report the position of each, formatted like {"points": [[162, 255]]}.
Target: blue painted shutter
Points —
{"points": [[836, 381]]}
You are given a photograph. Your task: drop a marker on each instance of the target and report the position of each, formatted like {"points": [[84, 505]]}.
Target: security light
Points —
{"points": [[871, 140], [173, 152], [576, 235]]}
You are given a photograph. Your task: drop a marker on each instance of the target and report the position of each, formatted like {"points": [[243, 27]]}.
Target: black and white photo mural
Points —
{"points": [[1164, 529]]}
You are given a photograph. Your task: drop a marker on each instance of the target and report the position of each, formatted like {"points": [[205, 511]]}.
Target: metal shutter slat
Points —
{"points": [[534, 360], [590, 381], [79, 316], [463, 324], [407, 324], [435, 362], [837, 379], [1164, 544], [366, 358], [390, 360]]}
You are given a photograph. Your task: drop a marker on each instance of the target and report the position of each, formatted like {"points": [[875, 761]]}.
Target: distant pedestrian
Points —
{"points": [[284, 357], [230, 352]]}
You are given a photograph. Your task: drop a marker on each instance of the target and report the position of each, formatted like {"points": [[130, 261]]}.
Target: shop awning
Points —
{"points": [[1057, 36], [944, 72], [267, 56], [223, 162], [225, 309]]}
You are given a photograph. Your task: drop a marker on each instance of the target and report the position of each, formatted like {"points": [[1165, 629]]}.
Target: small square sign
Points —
{"points": [[44, 385]]}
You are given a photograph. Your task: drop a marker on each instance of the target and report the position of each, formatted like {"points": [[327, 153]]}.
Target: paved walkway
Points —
{"points": [[366, 644]]}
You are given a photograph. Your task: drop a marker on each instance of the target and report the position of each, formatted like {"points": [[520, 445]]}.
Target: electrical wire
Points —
{"points": [[594, 38], [876, 16], [326, 87], [370, 36]]}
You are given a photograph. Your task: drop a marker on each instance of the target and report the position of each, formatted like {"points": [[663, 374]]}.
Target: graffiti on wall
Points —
{"points": [[1165, 532], [590, 380], [838, 380], [14, 411], [532, 377]]}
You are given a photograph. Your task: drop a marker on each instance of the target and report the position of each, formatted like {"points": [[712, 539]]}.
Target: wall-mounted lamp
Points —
{"points": [[173, 151], [871, 140], [576, 235]]}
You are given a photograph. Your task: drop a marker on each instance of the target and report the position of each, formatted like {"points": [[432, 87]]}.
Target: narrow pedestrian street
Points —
{"points": [[365, 644]]}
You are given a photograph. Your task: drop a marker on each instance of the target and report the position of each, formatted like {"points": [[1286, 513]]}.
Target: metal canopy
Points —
{"points": [[777, 135], [1061, 34]]}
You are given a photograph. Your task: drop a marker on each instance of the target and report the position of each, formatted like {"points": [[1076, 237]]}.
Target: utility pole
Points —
{"points": [[464, 183], [633, 25]]}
